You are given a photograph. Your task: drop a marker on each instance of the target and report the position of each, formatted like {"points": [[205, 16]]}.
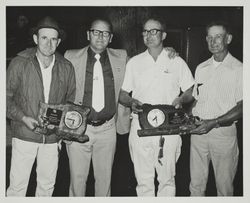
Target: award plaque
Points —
{"points": [[164, 120], [67, 121]]}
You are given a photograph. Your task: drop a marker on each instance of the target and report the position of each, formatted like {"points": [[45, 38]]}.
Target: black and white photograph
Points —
{"points": [[126, 99]]}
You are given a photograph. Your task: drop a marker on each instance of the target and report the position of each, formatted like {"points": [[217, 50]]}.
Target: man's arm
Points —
{"points": [[12, 83], [185, 98], [234, 114], [171, 52], [126, 100], [14, 112], [225, 120]]}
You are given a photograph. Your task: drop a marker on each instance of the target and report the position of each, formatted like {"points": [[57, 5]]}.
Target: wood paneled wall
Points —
{"points": [[185, 27]]}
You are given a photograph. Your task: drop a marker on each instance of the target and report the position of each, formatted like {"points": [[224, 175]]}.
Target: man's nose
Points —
{"points": [[149, 35], [213, 41], [100, 35], [49, 43]]}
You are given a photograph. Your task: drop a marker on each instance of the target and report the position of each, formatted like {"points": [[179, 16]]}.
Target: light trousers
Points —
{"points": [[101, 149], [144, 154], [23, 156], [219, 146]]}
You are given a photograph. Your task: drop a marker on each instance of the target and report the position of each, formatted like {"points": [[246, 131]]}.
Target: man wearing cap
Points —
{"points": [[34, 75]]}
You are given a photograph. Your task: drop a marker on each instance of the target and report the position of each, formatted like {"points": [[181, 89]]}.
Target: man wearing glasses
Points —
{"points": [[99, 75], [155, 79]]}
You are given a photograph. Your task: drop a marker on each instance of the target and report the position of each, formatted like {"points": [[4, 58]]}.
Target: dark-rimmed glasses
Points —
{"points": [[152, 32], [98, 32]]}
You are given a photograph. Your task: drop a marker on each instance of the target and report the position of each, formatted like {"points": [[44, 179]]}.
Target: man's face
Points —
{"points": [[150, 40], [47, 41], [218, 39], [99, 36]]}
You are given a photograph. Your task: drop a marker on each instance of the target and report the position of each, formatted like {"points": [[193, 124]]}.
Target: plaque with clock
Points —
{"points": [[67, 121], [164, 120]]}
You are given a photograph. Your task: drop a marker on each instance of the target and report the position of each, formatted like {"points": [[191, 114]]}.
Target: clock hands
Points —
{"points": [[72, 120], [155, 119]]}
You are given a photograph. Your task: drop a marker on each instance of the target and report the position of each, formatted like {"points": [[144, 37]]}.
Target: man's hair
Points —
{"points": [[224, 24], [106, 20], [158, 19]]}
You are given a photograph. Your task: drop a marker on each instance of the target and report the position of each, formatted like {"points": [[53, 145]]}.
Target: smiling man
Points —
{"points": [[36, 74], [154, 78], [219, 94], [99, 75]]}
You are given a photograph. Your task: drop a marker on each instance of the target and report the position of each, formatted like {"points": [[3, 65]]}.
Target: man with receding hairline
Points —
{"points": [[99, 75], [154, 78]]}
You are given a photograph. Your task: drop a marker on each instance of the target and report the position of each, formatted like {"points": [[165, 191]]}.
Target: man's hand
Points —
{"points": [[136, 106], [204, 126], [185, 98], [68, 142], [30, 122], [126, 100], [171, 52], [177, 103]]}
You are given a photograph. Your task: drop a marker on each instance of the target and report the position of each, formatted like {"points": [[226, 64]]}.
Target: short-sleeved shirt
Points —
{"points": [[156, 82], [217, 89]]}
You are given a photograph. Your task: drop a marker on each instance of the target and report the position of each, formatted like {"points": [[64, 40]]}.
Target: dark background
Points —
{"points": [[185, 27], [186, 34]]}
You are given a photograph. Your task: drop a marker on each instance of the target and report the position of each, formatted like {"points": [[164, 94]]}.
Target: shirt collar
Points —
{"points": [[162, 54], [92, 53], [226, 62], [216, 63], [51, 64]]}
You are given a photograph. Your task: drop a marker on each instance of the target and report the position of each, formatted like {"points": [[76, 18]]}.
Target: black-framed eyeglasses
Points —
{"points": [[98, 32], [152, 32]]}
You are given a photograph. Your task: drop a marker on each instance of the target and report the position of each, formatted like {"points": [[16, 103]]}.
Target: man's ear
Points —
{"points": [[88, 35], [164, 35], [35, 38], [229, 38], [111, 37], [58, 42]]}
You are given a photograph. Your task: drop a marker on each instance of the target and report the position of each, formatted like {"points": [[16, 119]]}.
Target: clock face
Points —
{"points": [[73, 119], [156, 117]]}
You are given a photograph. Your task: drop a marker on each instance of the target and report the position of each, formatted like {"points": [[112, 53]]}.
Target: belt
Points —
{"points": [[99, 122]]}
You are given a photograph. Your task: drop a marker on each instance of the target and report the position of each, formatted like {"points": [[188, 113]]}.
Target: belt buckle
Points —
{"points": [[96, 123], [100, 122]]}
